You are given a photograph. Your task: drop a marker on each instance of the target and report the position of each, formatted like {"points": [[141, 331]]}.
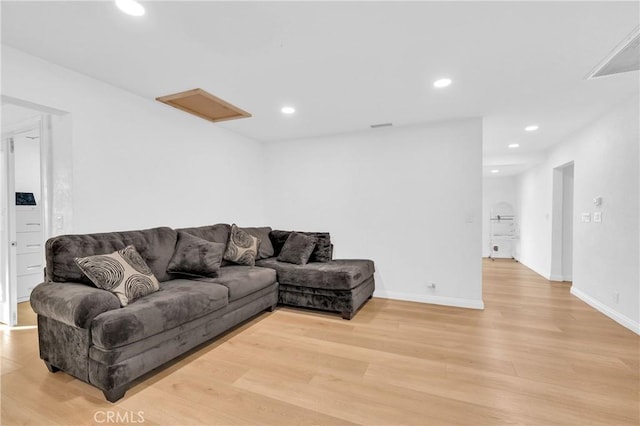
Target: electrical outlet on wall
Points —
{"points": [[616, 297], [431, 286]]}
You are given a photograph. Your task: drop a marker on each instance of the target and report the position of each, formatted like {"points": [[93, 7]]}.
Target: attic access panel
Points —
{"points": [[204, 105]]}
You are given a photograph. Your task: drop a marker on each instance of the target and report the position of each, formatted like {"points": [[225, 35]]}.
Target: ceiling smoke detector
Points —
{"points": [[623, 58]]}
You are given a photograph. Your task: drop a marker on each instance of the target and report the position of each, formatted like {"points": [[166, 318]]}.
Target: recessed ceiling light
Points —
{"points": [[443, 82], [130, 7], [514, 145], [495, 171], [288, 110], [531, 128]]}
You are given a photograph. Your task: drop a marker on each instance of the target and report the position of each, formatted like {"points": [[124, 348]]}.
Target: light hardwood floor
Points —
{"points": [[536, 355]]}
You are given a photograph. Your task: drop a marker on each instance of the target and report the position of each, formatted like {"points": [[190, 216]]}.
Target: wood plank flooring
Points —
{"points": [[536, 355]]}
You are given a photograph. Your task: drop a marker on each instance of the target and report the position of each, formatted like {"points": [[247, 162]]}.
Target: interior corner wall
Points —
{"points": [[410, 198], [605, 255], [138, 163], [495, 190]]}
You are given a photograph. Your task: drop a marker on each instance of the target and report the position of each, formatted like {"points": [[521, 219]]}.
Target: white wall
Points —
{"points": [[495, 190], [605, 156], [400, 196], [138, 163]]}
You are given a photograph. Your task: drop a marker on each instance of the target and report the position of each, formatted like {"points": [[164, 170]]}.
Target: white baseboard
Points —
{"points": [[435, 300], [555, 278], [614, 315]]}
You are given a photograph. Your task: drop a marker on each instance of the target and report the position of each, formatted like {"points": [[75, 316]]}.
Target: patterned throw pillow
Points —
{"points": [[297, 249], [123, 272], [194, 256], [242, 247]]}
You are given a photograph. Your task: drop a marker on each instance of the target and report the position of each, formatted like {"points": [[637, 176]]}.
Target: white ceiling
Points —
{"points": [[347, 65]]}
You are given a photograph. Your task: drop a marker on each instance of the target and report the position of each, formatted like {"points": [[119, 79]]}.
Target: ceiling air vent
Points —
{"points": [[625, 57], [376, 126], [204, 105]]}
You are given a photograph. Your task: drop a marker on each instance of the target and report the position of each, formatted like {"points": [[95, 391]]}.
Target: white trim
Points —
{"points": [[601, 307], [555, 278], [435, 300]]}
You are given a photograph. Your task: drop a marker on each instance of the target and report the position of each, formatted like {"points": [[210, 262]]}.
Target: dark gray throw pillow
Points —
{"points": [[196, 257], [297, 249], [323, 251]]}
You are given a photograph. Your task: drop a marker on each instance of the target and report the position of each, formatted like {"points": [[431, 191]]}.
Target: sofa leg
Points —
{"points": [[272, 307], [51, 368], [114, 394], [347, 315]]}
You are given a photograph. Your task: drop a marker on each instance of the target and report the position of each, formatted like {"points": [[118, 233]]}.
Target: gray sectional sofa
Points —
{"points": [[84, 330]]}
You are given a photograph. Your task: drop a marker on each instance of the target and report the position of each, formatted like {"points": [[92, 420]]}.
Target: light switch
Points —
{"points": [[585, 217], [597, 217], [59, 222]]}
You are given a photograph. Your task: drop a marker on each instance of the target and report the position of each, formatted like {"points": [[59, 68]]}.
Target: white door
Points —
{"points": [[8, 244]]}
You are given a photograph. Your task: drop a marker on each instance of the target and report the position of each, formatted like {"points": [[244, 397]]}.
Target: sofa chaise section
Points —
{"points": [[341, 285]]}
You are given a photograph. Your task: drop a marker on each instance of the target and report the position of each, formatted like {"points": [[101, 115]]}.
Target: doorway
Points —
{"points": [[35, 152], [562, 223], [23, 216]]}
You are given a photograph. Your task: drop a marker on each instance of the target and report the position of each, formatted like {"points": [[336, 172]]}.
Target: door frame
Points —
{"points": [[56, 165], [558, 232], [8, 257]]}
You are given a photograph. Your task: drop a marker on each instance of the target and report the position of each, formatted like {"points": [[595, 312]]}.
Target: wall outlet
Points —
{"points": [[616, 297], [430, 286]]}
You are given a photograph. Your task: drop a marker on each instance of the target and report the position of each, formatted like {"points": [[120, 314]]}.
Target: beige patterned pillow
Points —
{"points": [[123, 272], [242, 247]]}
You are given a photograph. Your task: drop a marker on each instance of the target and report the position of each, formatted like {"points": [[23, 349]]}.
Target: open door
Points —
{"points": [[8, 260]]}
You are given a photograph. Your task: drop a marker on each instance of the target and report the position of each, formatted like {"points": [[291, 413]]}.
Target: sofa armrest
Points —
{"points": [[72, 303]]}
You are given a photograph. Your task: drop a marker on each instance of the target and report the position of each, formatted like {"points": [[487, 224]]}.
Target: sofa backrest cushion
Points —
{"points": [[155, 245], [218, 233]]}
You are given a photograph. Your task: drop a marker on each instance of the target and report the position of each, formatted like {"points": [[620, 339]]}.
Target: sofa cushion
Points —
{"points": [[154, 245], [242, 247], [335, 275], [265, 248], [123, 273], [178, 301], [244, 280], [321, 253], [218, 233], [297, 249], [196, 257]]}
